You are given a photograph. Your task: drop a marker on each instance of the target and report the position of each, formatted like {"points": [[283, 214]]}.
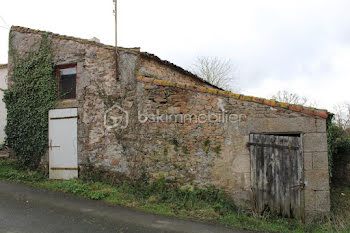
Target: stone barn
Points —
{"points": [[157, 119]]}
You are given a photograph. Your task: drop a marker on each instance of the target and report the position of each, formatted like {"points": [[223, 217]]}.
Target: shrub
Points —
{"points": [[338, 144], [186, 197]]}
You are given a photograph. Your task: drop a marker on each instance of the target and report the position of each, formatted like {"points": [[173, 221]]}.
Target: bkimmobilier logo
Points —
{"points": [[116, 117], [209, 117]]}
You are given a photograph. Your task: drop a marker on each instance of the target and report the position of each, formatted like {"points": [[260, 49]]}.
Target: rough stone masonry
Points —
{"points": [[173, 125]]}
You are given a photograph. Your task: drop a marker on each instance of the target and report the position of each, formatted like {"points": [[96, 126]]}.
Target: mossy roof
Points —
{"points": [[296, 108]]}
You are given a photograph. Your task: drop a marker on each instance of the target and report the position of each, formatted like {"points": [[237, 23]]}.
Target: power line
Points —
{"points": [[6, 26]]}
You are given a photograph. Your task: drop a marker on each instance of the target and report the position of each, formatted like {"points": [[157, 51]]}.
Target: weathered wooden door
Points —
{"points": [[63, 159], [277, 176]]}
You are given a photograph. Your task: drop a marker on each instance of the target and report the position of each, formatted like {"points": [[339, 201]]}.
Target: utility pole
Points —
{"points": [[116, 38]]}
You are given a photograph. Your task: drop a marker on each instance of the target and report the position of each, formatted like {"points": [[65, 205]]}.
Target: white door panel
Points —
{"points": [[63, 159], [65, 112]]}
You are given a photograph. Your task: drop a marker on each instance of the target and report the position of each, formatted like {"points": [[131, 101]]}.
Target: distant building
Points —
{"points": [[3, 85]]}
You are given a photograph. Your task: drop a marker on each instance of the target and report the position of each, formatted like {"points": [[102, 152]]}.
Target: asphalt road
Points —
{"points": [[28, 210]]}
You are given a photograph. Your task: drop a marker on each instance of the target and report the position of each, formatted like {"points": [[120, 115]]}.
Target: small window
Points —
{"points": [[67, 78]]}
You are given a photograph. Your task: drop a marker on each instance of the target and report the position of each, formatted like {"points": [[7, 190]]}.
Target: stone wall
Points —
{"points": [[154, 67], [317, 193], [190, 152], [216, 153], [3, 85], [96, 82]]}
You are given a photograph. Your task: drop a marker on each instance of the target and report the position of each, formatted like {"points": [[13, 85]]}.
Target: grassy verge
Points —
{"points": [[199, 204]]}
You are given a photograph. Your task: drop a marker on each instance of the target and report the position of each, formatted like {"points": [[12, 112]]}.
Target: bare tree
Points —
{"points": [[293, 98], [342, 115], [219, 72]]}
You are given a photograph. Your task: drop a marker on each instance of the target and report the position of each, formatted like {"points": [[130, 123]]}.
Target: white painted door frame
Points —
{"points": [[63, 143]]}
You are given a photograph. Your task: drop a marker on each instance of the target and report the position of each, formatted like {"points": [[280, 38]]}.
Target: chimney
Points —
{"points": [[95, 39]]}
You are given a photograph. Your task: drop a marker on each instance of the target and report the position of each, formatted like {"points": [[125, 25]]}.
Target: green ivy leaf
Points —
{"points": [[31, 96]]}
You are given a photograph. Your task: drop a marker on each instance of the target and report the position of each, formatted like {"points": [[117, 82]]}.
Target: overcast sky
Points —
{"points": [[299, 45]]}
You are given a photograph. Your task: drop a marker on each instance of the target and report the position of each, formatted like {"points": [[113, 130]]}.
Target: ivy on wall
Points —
{"points": [[31, 95], [338, 144]]}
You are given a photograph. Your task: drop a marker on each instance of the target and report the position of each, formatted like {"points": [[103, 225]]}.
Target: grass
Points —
{"points": [[190, 203]]}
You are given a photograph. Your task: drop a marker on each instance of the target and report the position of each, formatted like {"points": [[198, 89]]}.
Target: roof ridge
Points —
{"points": [[81, 40], [323, 113], [137, 49]]}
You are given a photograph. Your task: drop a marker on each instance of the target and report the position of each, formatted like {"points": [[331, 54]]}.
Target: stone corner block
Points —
{"points": [[320, 160], [241, 163], [314, 214], [308, 161], [310, 200], [317, 180], [323, 203], [315, 142], [321, 125]]}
